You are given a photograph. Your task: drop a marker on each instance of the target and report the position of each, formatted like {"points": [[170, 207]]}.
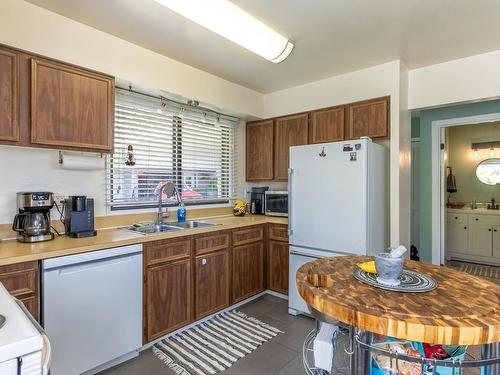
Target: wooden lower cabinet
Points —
{"points": [[22, 281], [248, 270], [168, 298], [278, 266], [211, 283]]}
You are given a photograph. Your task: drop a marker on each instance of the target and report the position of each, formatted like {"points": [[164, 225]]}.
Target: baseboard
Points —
{"points": [[232, 307]]}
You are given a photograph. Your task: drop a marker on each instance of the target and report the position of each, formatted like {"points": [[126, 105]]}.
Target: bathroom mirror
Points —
{"points": [[488, 171]]}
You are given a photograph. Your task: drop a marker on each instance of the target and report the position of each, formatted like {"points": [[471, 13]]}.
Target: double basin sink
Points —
{"points": [[152, 228]]}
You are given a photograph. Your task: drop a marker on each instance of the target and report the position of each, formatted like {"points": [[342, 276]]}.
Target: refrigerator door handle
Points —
{"points": [[290, 228]]}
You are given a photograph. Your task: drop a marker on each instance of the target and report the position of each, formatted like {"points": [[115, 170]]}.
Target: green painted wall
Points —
{"points": [[426, 119], [415, 127]]}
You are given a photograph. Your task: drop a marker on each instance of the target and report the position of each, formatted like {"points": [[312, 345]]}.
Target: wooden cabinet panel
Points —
{"points": [[167, 298], [211, 242], [327, 125], [31, 304], [166, 250], [278, 266], [289, 131], [496, 241], [259, 151], [9, 95], [457, 238], [248, 235], [211, 283], [369, 118], [248, 271], [278, 232], [71, 107], [481, 240], [22, 281]]}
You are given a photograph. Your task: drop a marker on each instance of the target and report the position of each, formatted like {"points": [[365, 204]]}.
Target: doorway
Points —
{"points": [[465, 158]]}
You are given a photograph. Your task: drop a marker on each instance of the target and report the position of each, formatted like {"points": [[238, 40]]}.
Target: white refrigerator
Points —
{"points": [[338, 204]]}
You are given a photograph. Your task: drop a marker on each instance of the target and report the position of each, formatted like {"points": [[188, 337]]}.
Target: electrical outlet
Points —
{"points": [[59, 198]]}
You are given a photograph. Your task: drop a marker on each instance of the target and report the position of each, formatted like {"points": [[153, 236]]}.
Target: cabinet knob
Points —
{"points": [[477, 219], [489, 229], [203, 261], [465, 227], [456, 217], [494, 230]]}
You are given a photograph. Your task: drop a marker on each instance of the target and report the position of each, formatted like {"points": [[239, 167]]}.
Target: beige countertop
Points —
{"points": [[12, 251], [477, 211]]}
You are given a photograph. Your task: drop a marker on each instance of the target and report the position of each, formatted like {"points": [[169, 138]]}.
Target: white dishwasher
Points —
{"points": [[92, 308]]}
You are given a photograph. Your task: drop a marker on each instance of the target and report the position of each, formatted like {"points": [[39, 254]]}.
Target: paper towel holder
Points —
{"points": [[61, 157]]}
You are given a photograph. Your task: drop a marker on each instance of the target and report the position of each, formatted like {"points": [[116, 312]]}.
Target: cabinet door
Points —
{"points": [[481, 240], [9, 95], [496, 241], [168, 298], [457, 238], [278, 266], [289, 131], [327, 125], [259, 151], [212, 283], [369, 118], [248, 270], [71, 107]]}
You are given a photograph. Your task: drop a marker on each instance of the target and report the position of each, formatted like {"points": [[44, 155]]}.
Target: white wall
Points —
{"points": [[26, 26], [31, 169], [380, 80], [463, 80]]}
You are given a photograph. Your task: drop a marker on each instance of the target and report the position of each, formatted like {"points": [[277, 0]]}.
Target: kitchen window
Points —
{"points": [[190, 146]]}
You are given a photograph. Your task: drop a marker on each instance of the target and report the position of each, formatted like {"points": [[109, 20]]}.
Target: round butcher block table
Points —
{"points": [[462, 310]]}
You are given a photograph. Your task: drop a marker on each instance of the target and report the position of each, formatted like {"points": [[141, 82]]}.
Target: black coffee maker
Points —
{"points": [[32, 222], [79, 216]]}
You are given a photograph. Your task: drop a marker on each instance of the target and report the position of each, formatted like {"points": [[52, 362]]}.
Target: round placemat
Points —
{"points": [[411, 281]]}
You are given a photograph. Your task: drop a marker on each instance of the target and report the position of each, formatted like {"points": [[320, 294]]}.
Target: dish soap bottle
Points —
{"points": [[181, 213]]}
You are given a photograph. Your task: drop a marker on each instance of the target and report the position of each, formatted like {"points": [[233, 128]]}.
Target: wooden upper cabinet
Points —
{"points": [[71, 107], [259, 151], [289, 131], [368, 118], [9, 95], [327, 125]]}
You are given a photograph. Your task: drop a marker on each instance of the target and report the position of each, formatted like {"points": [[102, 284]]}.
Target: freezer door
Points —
{"points": [[327, 194], [299, 257]]}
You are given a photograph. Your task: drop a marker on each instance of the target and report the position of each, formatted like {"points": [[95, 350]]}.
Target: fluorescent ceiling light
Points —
{"points": [[228, 20]]}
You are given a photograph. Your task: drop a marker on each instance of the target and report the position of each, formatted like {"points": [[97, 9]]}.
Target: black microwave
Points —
{"points": [[276, 203]]}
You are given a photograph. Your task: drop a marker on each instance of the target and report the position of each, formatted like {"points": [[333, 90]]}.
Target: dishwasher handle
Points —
{"points": [[91, 256]]}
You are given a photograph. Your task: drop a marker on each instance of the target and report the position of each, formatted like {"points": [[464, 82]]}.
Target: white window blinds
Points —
{"points": [[192, 147]]}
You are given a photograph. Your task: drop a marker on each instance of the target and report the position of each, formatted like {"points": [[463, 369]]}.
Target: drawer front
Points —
{"points": [[167, 250], [209, 243], [278, 232], [456, 218], [248, 235], [484, 219], [20, 279]]}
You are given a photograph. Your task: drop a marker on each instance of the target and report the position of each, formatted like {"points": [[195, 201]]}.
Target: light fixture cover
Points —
{"points": [[228, 20]]}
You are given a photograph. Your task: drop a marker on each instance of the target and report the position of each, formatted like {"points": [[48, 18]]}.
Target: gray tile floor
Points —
{"points": [[282, 355]]}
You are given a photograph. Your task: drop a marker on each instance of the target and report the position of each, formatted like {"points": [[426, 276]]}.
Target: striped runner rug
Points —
{"points": [[213, 345]]}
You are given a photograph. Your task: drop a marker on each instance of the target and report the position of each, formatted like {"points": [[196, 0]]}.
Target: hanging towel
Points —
{"points": [[451, 182], [323, 346]]}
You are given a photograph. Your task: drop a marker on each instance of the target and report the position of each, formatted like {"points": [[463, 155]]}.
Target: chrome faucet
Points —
{"points": [[169, 188]]}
